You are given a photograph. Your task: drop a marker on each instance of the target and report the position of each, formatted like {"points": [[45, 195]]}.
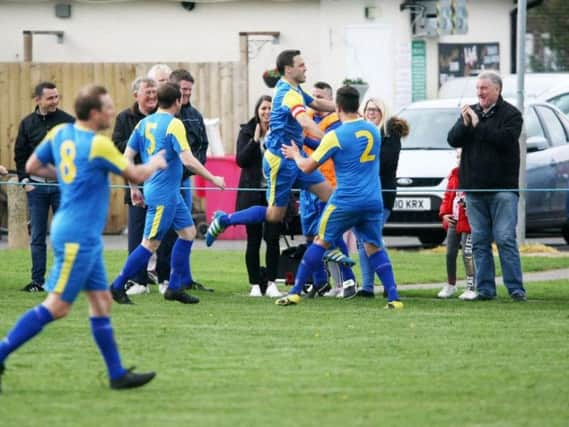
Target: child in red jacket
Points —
{"points": [[455, 221]]}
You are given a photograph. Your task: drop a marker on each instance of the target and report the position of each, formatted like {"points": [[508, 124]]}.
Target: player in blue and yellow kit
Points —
{"points": [[311, 209], [82, 161], [288, 121], [356, 202], [166, 207]]}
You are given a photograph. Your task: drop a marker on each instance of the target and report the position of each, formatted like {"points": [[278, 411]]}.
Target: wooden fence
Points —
{"points": [[220, 90]]}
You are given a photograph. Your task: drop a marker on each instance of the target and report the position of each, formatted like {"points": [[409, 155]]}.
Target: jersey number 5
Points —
{"points": [[67, 168], [366, 157], [149, 135]]}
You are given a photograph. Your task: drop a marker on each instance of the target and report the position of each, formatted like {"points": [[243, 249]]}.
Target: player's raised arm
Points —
{"points": [[324, 105], [189, 161]]}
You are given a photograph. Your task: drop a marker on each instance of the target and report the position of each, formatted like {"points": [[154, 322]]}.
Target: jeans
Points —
{"points": [[493, 217], [136, 219], [368, 274], [39, 201]]}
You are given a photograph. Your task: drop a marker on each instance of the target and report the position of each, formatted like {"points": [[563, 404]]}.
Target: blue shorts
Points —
{"points": [[282, 175], [310, 211], [366, 223], [77, 267], [161, 218]]}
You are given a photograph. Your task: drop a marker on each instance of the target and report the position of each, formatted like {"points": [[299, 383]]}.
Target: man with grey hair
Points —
{"points": [[146, 102], [488, 134], [160, 73]]}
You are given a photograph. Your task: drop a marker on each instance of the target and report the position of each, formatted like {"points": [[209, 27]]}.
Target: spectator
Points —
{"points": [[146, 102], [45, 195], [488, 134], [392, 129], [249, 157], [160, 73], [453, 215]]}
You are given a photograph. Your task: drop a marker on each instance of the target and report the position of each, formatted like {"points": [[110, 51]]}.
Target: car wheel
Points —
{"points": [[432, 238], [565, 232]]}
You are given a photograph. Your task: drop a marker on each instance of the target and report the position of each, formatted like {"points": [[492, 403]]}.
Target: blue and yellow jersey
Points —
{"points": [[326, 123], [354, 147], [288, 102], [161, 131], [83, 160]]}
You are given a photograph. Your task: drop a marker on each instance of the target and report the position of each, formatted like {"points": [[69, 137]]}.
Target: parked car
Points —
{"points": [[426, 160], [544, 87]]}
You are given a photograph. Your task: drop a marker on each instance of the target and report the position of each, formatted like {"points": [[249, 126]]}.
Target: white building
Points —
{"points": [[336, 37]]}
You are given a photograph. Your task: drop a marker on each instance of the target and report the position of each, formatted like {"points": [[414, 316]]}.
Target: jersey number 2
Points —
{"points": [[366, 157], [67, 168]]}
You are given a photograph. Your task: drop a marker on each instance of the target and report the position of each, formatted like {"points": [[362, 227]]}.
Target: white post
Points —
{"points": [[521, 69]]}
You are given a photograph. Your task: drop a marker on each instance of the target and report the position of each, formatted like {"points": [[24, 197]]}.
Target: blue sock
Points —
{"points": [[310, 263], [27, 327], [382, 266], [136, 261], [320, 276], [366, 268], [340, 244], [102, 331], [252, 215], [180, 264]]}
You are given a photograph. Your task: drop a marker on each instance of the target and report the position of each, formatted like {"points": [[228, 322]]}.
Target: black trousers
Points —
{"points": [[270, 232]]}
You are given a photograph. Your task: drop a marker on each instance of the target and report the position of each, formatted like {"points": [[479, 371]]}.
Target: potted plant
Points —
{"points": [[271, 77], [359, 84]]}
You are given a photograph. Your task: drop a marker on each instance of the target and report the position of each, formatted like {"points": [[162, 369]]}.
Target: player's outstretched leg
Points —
{"points": [[221, 220], [382, 266], [28, 326]]}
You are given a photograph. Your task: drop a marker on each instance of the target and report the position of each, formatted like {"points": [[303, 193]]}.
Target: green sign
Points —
{"points": [[419, 70]]}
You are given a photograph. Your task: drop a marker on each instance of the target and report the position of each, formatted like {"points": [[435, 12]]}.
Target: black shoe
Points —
{"points": [[2, 369], [314, 292], [362, 293], [198, 287], [484, 297], [180, 295], [132, 380], [33, 287], [120, 296], [519, 297]]}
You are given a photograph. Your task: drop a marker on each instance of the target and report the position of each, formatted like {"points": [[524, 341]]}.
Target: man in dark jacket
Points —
{"points": [[42, 193], [146, 101], [488, 134]]}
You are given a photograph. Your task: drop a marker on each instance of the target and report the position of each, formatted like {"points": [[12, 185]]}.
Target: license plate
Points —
{"points": [[412, 204]]}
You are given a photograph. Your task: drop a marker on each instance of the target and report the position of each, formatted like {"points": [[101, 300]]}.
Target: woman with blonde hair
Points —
{"points": [[392, 129]]}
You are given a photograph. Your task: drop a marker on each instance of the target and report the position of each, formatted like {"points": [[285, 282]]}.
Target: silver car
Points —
{"points": [[426, 160]]}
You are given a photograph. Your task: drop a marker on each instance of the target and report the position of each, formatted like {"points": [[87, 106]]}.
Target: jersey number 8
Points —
{"points": [[67, 168]]}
